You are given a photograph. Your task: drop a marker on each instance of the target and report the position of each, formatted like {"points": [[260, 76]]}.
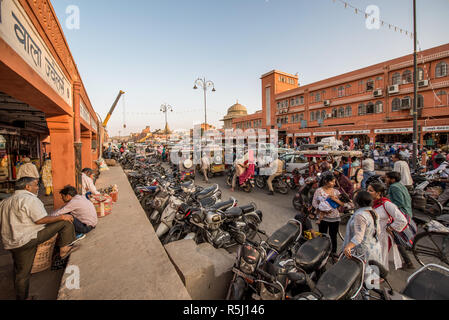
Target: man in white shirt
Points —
{"points": [[205, 166], [28, 169], [368, 169], [24, 224], [402, 167], [88, 185]]}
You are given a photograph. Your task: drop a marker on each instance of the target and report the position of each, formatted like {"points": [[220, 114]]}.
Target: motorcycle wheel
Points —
{"points": [[237, 289], [154, 221], [260, 182], [282, 187], [229, 181], [246, 187], [210, 175], [175, 234], [297, 204], [249, 232]]}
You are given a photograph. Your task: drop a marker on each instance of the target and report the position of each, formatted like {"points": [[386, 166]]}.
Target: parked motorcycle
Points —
{"points": [[280, 183]]}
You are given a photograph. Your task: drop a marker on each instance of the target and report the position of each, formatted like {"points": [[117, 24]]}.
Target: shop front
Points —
{"points": [[393, 136], [303, 138], [355, 139], [321, 135], [436, 136]]}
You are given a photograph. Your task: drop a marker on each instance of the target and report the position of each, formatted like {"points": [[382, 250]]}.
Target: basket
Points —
{"points": [[102, 204], [44, 254]]}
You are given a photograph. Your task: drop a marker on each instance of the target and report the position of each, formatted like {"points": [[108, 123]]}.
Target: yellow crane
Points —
{"points": [[106, 120]]}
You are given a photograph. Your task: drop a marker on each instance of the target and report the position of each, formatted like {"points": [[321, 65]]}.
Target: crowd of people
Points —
{"points": [[25, 223]]}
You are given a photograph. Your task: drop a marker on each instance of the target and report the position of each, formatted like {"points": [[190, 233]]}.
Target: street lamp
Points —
{"points": [[203, 83], [165, 108]]}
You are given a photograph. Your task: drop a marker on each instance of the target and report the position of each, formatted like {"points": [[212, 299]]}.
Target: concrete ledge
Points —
{"points": [[122, 259], [205, 271]]}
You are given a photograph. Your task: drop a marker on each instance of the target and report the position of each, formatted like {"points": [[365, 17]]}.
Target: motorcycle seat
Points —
{"points": [[186, 184], [223, 205], [282, 237], [340, 281], [312, 253], [248, 208], [428, 285], [207, 202], [207, 192], [233, 212]]}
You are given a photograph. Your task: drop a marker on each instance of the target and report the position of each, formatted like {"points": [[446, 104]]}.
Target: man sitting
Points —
{"points": [[83, 211], [24, 224], [88, 186], [27, 169]]}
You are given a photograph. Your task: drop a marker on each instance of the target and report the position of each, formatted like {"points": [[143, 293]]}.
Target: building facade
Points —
{"points": [[373, 104], [42, 95]]}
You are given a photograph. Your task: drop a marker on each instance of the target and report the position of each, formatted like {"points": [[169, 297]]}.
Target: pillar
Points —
{"points": [[86, 152], [77, 133], [62, 154]]}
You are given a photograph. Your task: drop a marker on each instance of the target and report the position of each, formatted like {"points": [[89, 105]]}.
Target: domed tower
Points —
{"points": [[235, 111]]}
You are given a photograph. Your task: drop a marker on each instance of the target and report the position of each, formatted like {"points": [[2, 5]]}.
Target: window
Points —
{"points": [[341, 112], [406, 103], [370, 85], [441, 70], [323, 114], [348, 111], [312, 116], [286, 103], [370, 108], [323, 94], [379, 107], [396, 79], [292, 102], [442, 98], [293, 119], [317, 97], [301, 100], [362, 110], [348, 89], [420, 101], [341, 91], [407, 77], [299, 159], [334, 112], [420, 74], [317, 115], [297, 101], [301, 117], [396, 104]]}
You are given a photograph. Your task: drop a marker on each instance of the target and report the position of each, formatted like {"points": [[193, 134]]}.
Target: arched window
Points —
{"points": [[420, 101], [312, 116], [362, 110], [341, 112], [301, 117], [341, 91], [334, 112], [370, 108], [317, 115], [396, 79], [379, 107], [441, 70], [396, 104], [406, 103], [323, 114], [348, 112], [442, 98], [407, 76], [317, 97]]}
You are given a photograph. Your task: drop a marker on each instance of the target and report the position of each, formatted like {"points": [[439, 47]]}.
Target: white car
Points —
{"points": [[294, 161]]}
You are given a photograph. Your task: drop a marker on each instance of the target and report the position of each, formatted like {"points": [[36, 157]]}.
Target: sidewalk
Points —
{"points": [[122, 259]]}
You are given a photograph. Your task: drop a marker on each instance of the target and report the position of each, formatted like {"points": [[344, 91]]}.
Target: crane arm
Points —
{"points": [[106, 120]]}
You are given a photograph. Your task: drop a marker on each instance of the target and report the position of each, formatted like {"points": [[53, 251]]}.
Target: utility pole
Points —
{"points": [[165, 108], [415, 93], [204, 84]]}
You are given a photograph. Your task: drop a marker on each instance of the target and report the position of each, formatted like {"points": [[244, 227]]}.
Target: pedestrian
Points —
{"points": [[363, 230], [205, 166], [47, 177], [330, 222], [27, 169], [24, 224], [390, 218], [276, 169], [345, 166], [88, 186], [368, 169], [83, 211], [403, 168]]}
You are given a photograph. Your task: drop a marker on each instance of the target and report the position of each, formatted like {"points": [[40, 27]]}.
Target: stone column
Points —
{"points": [[62, 154], [86, 152], [77, 133]]}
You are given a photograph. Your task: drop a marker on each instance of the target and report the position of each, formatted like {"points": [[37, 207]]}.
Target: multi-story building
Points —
{"points": [[373, 104]]}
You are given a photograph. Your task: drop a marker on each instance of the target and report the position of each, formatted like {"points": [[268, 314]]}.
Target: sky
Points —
{"points": [[154, 50]]}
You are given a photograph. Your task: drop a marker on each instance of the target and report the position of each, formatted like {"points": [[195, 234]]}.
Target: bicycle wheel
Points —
{"points": [[431, 247], [433, 207]]}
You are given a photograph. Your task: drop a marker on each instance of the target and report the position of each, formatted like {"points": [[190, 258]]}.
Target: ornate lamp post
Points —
{"points": [[165, 108], [204, 84]]}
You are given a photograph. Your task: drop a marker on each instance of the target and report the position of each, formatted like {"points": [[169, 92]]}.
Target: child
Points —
{"points": [[323, 208]]}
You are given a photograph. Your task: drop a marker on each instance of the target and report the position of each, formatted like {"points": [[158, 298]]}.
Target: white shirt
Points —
{"points": [[368, 164], [18, 215], [205, 164], [376, 154], [443, 170], [88, 185], [403, 168]]}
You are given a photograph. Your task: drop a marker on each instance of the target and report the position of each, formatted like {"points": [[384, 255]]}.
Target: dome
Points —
{"points": [[237, 109]]}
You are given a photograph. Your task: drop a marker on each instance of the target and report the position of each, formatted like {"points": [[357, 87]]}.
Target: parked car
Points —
{"points": [[294, 161]]}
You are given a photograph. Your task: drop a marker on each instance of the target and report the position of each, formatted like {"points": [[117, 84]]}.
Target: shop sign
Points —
{"points": [[355, 132], [290, 135], [85, 115], [394, 130], [305, 134], [320, 134], [17, 30], [440, 128]]}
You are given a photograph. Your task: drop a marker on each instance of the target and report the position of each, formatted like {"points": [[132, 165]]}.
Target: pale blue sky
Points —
{"points": [[155, 49]]}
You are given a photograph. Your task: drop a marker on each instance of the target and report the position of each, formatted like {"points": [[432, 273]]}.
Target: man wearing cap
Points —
{"points": [[28, 169]]}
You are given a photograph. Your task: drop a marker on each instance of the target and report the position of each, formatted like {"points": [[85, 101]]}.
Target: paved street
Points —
{"points": [[278, 209]]}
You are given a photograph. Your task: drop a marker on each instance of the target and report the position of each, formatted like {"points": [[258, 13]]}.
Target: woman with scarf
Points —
{"points": [[390, 218]]}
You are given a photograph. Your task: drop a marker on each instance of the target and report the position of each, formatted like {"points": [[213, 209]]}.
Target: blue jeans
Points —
{"points": [[366, 176]]}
